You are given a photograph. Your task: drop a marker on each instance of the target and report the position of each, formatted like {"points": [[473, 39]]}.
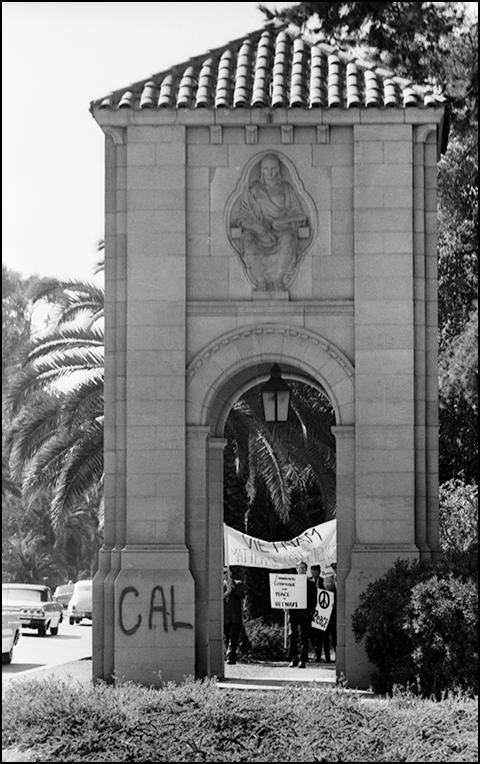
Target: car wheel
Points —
{"points": [[54, 631], [7, 657], [78, 620], [71, 621], [42, 631]]}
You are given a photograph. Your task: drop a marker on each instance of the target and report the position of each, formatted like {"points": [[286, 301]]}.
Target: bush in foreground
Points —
{"points": [[196, 721], [420, 622]]}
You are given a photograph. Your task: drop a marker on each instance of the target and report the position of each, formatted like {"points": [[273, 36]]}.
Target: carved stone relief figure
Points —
{"points": [[269, 226]]}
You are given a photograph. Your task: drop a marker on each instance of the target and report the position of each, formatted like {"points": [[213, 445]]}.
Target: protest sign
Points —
{"points": [[316, 545], [288, 591], [323, 609]]}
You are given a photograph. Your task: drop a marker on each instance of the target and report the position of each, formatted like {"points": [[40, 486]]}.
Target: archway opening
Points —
{"points": [[279, 481]]}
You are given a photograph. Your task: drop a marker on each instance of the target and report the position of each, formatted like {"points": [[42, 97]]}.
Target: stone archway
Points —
{"points": [[218, 375]]}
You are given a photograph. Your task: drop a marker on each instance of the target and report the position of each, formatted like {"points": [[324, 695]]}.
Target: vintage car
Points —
{"points": [[63, 594], [11, 629], [34, 606], [80, 605]]}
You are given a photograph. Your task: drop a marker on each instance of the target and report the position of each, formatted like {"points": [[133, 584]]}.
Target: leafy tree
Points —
{"points": [[55, 439], [412, 38], [433, 44], [459, 517], [458, 308], [16, 316], [291, 461], [279, 479]]}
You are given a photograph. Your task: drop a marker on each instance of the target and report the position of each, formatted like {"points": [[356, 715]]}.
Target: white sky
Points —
{"points": [[57, 58]]}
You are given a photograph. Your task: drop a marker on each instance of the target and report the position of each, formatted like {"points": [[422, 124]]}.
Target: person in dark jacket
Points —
{"points": [[328, 637], [300, 620], [233, 594]]}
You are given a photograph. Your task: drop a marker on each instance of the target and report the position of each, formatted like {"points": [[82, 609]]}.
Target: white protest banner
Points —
{"points": [[316, 545], [288, 590], [323, 610]]}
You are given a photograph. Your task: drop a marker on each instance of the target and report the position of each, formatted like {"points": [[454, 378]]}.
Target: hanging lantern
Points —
{"points": [[276, 396]]}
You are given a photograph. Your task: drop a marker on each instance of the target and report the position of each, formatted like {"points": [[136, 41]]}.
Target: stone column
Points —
{"points": [[115, 403], [345, 456], [216, 447], [198, 540], [154, 610]]}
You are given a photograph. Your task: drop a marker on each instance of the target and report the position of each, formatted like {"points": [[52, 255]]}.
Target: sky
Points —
{"points": [[57, 58]]}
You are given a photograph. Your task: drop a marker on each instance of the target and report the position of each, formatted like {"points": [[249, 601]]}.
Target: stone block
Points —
{"points": [[332, 155], [207, 156], [198, 135], [156, 199], [396, 152], [378, 132], [342, 177], [165, 177], [342, 244], [397, 312], [383, 175], [368, 152], [382, 220], [173, 154], [141, 154]]}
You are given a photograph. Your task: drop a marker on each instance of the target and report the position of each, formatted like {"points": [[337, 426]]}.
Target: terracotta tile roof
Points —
{"points": [[270, 68]]}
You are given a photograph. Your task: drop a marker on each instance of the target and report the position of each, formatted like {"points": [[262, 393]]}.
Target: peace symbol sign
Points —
{"points": [[324, 600]]}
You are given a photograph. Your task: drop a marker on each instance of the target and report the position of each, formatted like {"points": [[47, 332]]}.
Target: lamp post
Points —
{"points": [[276, 396]]}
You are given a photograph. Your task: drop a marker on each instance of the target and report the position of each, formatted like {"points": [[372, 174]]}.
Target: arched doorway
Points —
{"points": [[279, 481], [217, 377]]}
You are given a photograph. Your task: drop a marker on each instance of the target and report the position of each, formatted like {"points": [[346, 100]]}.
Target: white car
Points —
{"points": [[34, 606], [80, 605], [11, 629]]}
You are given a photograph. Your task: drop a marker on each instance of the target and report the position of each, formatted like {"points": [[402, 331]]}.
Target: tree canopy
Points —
{"points": [[434, 44]]}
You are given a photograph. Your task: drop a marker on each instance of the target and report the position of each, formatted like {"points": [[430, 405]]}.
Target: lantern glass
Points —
{"points": [[276, 397]]}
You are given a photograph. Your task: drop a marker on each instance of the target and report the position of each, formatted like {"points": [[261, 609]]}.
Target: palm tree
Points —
{"points": [[294, 462], [55, 400]]}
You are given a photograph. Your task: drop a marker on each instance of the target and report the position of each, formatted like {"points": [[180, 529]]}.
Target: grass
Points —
{"points": [[53, 720]]}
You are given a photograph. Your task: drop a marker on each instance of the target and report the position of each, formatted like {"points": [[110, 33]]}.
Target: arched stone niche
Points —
{"points": [[271, 221]]}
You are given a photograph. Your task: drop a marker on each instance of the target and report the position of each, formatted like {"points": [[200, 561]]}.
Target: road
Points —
{"points": [[32, 652]]}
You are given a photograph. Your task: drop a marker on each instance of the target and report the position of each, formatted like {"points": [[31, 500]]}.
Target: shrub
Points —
{"points": [[419, 624], [51, 720], [442, 623], [265, 641]]}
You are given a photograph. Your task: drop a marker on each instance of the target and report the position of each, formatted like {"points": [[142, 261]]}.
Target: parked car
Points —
{"points": [[63, 594], [80, 605], [11, 629], [34, 606]]}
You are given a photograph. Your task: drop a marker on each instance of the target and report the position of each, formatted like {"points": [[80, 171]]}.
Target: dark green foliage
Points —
{"points": [[442, 621], [433, 44], [265, 640], [411, 37], [55, 398], [196, 721], [459, 519], [404, 619]]}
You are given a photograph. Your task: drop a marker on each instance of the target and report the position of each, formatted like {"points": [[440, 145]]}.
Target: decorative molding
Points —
{"points": [[251, 134], [301, 334], [323, 133], [246, 308], [117, 134], [216, 134], [423, 132], [287, 133]]}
